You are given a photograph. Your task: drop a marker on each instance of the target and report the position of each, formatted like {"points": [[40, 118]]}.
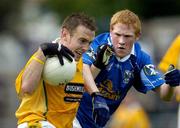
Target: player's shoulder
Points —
{"points": [[139, 51], [142, 56], [103, 35], [102, 38]]}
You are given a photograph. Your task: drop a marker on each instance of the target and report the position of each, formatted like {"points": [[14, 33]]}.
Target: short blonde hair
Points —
{"points": [[126, 17]]}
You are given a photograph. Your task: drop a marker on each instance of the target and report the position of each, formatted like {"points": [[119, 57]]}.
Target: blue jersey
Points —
{"points": [[117, 78]]}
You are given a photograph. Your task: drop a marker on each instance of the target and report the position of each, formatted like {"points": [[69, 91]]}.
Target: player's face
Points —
{"points": [[79, 41], [123, 38]]}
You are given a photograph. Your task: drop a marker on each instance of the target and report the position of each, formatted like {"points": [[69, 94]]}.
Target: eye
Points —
{"points": [[127, 36], [84, 41], [117, 34]]}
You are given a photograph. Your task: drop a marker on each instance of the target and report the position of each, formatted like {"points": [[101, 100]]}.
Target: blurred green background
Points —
{"points": [[10, 11]]}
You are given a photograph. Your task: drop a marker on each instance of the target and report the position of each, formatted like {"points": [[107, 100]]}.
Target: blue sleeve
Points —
{"points": [[89, 55], [150, 78]]}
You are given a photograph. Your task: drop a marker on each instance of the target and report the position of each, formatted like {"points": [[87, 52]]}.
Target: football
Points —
{"points": [[56, 74]]}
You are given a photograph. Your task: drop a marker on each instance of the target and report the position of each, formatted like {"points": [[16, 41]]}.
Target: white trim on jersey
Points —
{"points": [[44, 124], [76, 123]]}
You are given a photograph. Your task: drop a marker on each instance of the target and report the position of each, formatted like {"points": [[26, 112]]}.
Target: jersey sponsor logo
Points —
{"points": [[72, 99], [74, 88], [107, 91], [149, 70]]}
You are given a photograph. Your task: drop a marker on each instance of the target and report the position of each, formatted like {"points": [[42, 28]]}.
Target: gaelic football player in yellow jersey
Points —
{"points": [[172, 56], [130, 114], [46, 106]]}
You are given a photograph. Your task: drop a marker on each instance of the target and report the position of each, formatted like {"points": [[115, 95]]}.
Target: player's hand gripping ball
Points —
{"points": [[60, 66]]}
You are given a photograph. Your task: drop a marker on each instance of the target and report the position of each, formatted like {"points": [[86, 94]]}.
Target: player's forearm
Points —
{"points": [[32, 73], [89, 80], [95, 71], [166, 92]]}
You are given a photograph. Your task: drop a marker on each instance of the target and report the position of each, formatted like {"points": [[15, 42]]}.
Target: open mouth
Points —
{"points": [[121, 48]]}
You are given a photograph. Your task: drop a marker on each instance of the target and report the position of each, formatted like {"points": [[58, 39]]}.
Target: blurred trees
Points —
{"points": [[97, 8], [101, 8], [159, 8], [8, 9]]}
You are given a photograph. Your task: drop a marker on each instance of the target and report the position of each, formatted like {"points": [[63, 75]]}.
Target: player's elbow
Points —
{"points": [[26, 87]]}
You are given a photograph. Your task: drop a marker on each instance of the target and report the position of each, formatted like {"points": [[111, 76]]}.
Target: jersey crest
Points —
{"points": [[127, 76], [149, 70]]}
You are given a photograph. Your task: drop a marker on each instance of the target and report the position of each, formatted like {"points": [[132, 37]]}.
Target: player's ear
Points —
{"points": [[111, 28], [64, 34], [138, 36]]}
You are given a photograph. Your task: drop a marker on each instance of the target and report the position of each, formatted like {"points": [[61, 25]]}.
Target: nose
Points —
{"points": [[121, 40]]}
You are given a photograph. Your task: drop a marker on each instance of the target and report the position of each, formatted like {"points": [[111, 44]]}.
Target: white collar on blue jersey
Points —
{"points": [[126, 57]]}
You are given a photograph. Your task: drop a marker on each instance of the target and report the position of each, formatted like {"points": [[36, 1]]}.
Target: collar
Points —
{"points": [[56, 40]]}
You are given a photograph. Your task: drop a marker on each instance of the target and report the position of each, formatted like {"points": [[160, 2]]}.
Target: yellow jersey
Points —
{"points": [[57, 104], [130, 116], [172, 56]]}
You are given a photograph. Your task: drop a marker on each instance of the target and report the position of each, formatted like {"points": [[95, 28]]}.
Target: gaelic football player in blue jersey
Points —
{"points": [[113, 64]]}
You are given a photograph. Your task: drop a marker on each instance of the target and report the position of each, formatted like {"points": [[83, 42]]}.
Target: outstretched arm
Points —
{"points": [[100, 108], [165, 92], [172, 79], [89, 73]]}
